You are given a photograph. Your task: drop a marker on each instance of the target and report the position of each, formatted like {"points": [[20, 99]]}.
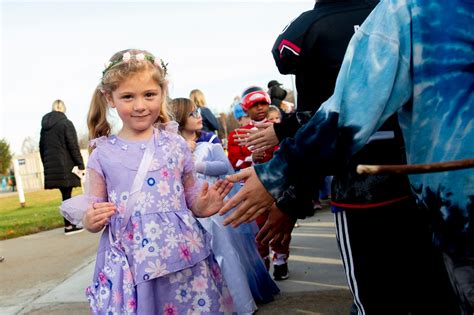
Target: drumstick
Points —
{"points": [[416, 168]]}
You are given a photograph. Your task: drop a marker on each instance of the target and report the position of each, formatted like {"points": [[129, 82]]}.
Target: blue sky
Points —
{"points": [[57, 49]]}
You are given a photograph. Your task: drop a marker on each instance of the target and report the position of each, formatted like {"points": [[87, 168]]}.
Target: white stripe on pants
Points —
{"points": [[342, 235]]}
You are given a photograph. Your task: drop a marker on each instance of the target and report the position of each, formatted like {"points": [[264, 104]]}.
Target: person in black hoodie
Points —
{"points": [[59, 150]]}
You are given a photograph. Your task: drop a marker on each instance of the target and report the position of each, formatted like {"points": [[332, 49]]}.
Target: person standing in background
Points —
{"points": [[278, 95], [209, 121], [12, 180], [239, 158], [59, 150]]}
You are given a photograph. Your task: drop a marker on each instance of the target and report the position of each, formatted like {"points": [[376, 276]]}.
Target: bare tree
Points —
{"points": [[290, 96], [222, 132], [83, 141], [29, 145]]}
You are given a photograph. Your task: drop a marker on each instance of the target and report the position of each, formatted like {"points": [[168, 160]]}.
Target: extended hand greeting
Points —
{"points": [[277, 228], [251, 201], [257, 139], [211, 198]]}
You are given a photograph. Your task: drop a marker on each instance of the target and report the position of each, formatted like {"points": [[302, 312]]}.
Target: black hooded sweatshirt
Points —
{"points": [[312, 47]]}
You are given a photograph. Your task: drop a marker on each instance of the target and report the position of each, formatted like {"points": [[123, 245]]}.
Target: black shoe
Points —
{"points": [[280, 272], [72, 229]]}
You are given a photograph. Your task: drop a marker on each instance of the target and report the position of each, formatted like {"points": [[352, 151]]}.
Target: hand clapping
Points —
{"points": [[211, 198], [251, 201]]}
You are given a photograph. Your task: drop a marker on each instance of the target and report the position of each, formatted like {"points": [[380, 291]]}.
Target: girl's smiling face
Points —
{"points": [[138, 100]]}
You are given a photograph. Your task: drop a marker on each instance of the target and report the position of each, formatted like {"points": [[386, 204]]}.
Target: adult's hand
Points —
{"points": [[251, 201], [258, 156], [277, 228], [258, 140], [241, 135]]}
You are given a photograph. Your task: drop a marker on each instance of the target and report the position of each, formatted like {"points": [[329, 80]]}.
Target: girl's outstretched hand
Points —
{"points": [[98, 215], [211, 198]]}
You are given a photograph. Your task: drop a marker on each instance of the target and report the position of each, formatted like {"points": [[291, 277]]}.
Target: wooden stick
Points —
{"points": [[415, 169]]}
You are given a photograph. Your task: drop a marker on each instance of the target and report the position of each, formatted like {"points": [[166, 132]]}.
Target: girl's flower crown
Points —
{"points": [[138, 57]]}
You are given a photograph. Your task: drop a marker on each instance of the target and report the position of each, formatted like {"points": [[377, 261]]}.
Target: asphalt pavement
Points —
{"points": [[46, 273]]}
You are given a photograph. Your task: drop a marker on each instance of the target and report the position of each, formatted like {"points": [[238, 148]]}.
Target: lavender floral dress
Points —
{"points": [[169, 267]]}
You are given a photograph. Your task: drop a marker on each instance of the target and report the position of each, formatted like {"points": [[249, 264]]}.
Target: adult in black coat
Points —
{"points": [[59, 150]]}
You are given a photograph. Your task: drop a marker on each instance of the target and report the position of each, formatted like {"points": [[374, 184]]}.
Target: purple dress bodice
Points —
{"points": [[162, 235]]}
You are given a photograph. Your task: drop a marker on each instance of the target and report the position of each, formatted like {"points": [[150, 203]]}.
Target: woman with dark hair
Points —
{"points": [[184, 108]]}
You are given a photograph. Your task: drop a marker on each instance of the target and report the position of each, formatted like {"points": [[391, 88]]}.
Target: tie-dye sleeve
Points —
{"points": [[373, 83]]}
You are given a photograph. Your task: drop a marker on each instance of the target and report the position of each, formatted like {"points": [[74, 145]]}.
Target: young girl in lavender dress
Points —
{"points": [[235, 249], [153, 257]]}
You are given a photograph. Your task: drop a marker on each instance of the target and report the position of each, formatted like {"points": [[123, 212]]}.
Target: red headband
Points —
{"points": [[254, 97]]}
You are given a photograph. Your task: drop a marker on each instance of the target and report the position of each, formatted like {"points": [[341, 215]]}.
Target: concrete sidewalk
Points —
{"points": [[46, 273]]}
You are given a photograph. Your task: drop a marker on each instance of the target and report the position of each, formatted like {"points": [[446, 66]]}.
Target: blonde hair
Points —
{"points": [[113, 76], [197, 96], [273, 108], [58, 106]]}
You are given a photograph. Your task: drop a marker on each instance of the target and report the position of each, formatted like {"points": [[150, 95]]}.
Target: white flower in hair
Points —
{"points": [[107, 64], [157, 62], [140, 57], [126, 57]]}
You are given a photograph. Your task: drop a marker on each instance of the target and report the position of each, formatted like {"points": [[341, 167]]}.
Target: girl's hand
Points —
{"points": [[98, 215], [211, 199]]}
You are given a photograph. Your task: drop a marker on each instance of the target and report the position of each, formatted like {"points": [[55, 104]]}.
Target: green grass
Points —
{"points": [[41, 213]]}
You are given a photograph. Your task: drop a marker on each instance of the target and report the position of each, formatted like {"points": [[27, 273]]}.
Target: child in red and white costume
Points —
{"points": [[255, 102]]}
